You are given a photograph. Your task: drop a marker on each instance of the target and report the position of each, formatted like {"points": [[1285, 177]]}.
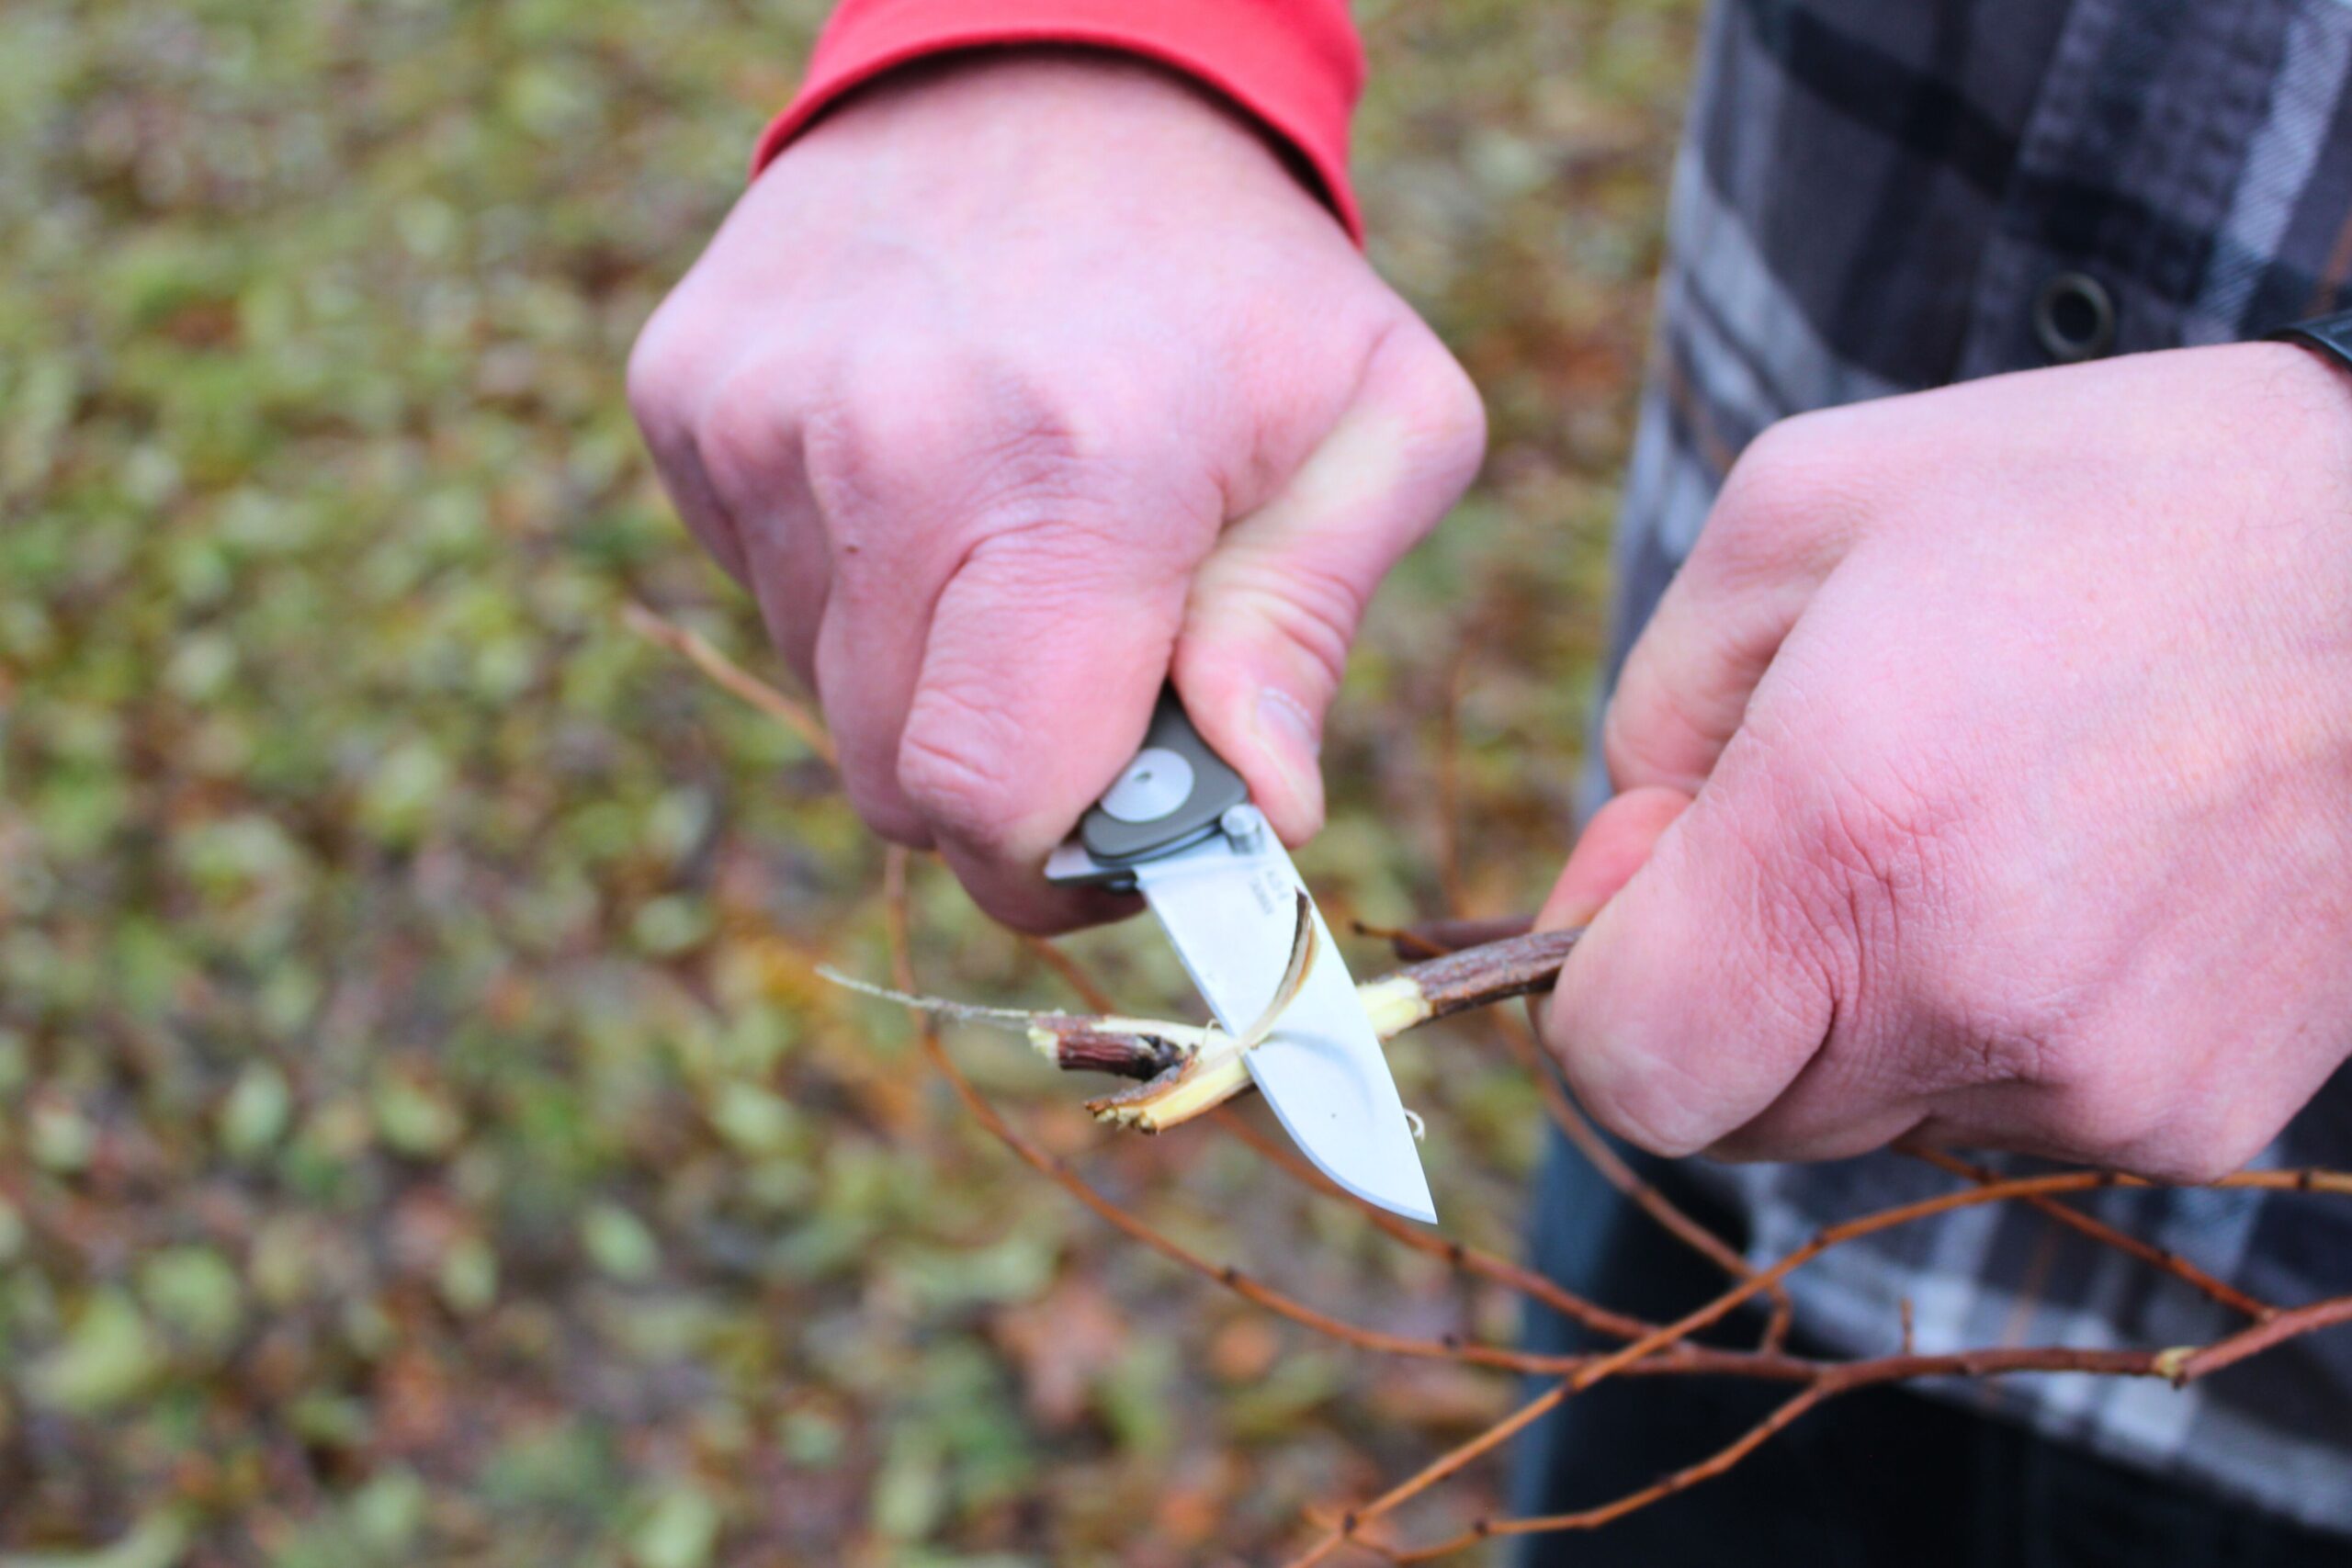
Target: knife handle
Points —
{"points": [[1173, 795]]}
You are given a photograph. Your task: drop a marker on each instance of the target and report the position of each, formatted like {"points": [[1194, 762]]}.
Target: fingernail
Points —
{"points": [[1291, 741]]}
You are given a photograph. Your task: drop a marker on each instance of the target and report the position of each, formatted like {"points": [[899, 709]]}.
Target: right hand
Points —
{"points": [[1019, 383]]}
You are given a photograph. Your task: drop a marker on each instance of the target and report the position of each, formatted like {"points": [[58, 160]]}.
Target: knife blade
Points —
{"points": [[1177, 827]]}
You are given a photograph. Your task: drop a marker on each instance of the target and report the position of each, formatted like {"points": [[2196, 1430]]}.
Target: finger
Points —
{"points": [[866, 659], [917, 461], [1785, 518], [669, 378], [1276, 605], [1045, 660], [1701, 990], [748, 445], [1611, 848]]}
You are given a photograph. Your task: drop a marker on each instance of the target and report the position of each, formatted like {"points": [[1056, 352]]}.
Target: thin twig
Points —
{"points": [[2178, 1366], [2287, 1323], [1603, 1366], [1216, 1071], [1650, 1349], [1470, 1259], [1746, 1443], [2099, 1230], [1070, 972], [1431, 938], [1448, 794], [1579, 1131], [725, 672], [1019, 1019]]}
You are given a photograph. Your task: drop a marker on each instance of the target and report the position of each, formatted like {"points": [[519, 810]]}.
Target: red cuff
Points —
{"points": [[1295, 64]]}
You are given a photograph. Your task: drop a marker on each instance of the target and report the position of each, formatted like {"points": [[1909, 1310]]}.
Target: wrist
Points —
{"points": [[1294, 68], [1040, 81], [1060, 136], [1051, 106]]}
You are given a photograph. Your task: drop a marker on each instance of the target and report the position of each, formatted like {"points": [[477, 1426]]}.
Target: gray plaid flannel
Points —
{"points": [[1877, 195]]}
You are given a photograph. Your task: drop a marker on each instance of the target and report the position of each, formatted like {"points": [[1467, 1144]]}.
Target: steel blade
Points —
{"points": [[1231, 914]]}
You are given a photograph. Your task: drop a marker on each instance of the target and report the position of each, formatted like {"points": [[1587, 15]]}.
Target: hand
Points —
{"points": [[1013, 385], [2014, 723]]}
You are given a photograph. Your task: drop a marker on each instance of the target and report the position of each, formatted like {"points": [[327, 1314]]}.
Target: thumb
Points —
{"points": [[1702, 989], [1611, 848], [1275, 606]]}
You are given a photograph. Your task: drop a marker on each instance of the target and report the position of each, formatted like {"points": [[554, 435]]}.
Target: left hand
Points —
{"points": [[2014, 723]]}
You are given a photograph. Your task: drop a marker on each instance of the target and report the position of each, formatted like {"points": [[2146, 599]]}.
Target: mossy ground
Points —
{"points": [[424, 1142]]}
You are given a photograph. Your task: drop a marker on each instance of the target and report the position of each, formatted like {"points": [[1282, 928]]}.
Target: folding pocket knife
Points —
{"points": [[1178, 827]]}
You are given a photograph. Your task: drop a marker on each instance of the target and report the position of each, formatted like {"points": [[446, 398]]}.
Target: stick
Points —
{"points": [[1414, 995]]}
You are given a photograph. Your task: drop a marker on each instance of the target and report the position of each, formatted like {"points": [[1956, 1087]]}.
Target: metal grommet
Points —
{"points": [[2073, 318]]}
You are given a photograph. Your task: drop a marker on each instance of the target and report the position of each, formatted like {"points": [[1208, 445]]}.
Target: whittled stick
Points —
{"points": [[1186, 1069]]}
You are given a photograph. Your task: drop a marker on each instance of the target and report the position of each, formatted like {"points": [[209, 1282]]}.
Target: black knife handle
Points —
{"points": [[1173, 794]]}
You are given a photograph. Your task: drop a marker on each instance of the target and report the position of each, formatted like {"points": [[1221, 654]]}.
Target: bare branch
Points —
{"points": [[732, 677], [1187, 1069], [2099, 1230], [2180, 1366]]}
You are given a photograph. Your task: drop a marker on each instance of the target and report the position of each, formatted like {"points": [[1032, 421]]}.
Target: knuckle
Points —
{"points": [[660, 373], [2012, 1050], [2106, 1119], [1765, 495], [1643, 1120], [970, 441], [2156, 1125], [2098, 1102], [744, 430], [1665, 1089], [1031, 435], [1645, 730], [1648, 1097], [1031, 471], [1875, 841], [1315, 610], [1431, 411], [1895, 910], [2007, 1020], [958, 766], [2192, 1164], [1449, 417], [1790, 486]]}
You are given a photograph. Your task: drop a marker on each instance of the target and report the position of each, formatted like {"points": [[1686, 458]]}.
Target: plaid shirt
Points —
{"points": [[1878, 196]]}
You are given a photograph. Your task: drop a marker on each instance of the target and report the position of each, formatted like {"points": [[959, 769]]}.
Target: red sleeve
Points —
{"points": [[1295, 64]]}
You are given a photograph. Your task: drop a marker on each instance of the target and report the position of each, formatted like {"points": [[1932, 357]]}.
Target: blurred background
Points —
{"points": [[424, 1138]]}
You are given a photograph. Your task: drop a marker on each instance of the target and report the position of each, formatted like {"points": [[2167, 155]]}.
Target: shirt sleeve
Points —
{"points": [[1297, 65]]}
